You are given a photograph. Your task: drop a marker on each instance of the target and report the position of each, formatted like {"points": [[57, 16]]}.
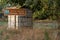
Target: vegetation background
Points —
{"points": [[42, 9]]}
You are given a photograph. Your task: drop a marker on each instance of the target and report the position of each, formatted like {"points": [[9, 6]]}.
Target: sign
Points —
{"points": [[21, 12]]}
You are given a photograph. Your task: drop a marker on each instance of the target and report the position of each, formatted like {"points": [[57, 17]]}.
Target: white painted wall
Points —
{"points": [[11, 21], [16, 21]]}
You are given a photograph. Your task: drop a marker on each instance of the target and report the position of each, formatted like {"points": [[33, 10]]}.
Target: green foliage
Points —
{"points": [[2, 4], [42, 9], [46, 36], [21, 2], [7, 37], [40, 15], [48, 11], [1, 32], [31, 4]]}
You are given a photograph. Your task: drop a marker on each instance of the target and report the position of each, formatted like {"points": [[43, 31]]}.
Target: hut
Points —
{"points": [[19, 17]]}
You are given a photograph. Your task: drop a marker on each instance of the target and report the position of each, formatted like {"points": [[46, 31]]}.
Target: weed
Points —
{"points": [[46, 36], [38, 38], [7, 37], [1, 32]]}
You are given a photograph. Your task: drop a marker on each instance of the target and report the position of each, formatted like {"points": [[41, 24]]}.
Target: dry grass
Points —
{"points": [[25, 33]]}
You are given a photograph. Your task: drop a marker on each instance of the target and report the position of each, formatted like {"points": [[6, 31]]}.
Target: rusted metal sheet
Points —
{"points": [[21, 12]]}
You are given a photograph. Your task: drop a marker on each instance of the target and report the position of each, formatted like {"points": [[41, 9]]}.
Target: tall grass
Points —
{"points": [[46, 37]]}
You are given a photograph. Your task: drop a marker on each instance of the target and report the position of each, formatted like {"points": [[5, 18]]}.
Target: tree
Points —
{"points": [[20, 2], [2, 4], [31, 4], [44, 8], [58, 17]]}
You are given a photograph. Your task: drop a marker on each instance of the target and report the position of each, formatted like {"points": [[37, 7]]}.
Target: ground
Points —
{"points": [[25, 33]]}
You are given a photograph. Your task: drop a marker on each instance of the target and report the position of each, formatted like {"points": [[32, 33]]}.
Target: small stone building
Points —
{"points": [[19, 17]]}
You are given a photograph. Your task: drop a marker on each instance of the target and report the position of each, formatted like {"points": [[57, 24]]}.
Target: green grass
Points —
{"points": [[1, 32], [7, 37], [46, 36], [3, 22]]}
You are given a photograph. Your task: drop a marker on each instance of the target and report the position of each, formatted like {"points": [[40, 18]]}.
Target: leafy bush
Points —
{"points": [[40, 15]]}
